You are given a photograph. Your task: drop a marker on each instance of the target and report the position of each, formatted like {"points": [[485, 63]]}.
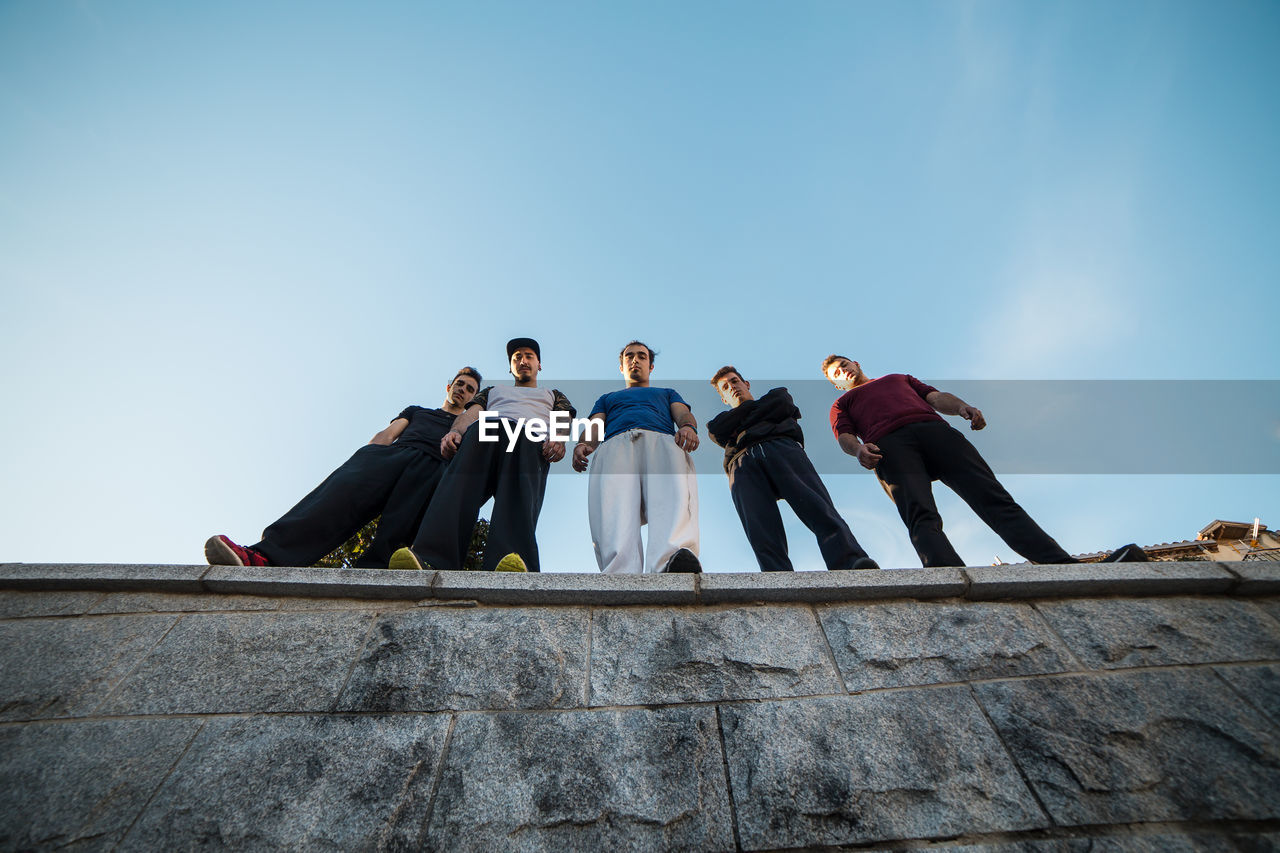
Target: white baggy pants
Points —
{"points": [[638, 476]]}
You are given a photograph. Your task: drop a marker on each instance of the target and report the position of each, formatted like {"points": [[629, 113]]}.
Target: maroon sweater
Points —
{"points": [[876, 408]]}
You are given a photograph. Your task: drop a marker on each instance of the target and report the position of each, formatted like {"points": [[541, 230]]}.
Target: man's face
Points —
{"points": [[635, 364], [734, 390], [843, 373], [525, 364], [461, 390]]}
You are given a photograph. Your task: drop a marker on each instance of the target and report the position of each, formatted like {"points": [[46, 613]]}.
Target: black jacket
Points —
{"points": [[772, 416]]}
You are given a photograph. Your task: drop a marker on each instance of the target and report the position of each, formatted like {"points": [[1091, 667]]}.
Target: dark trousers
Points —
{"points": [[481, 470], [917, 454], [396, 481], [780, 470]]}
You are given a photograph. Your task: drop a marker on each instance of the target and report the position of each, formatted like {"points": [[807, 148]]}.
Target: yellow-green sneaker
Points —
{"points": [[513, 562], [404, 558]]}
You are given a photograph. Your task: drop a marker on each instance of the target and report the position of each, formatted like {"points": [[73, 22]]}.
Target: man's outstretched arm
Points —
{"points": [[391, 433], [950, 404]]}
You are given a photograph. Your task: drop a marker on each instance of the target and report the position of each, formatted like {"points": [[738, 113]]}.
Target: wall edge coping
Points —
{"points": [[978, 583]]}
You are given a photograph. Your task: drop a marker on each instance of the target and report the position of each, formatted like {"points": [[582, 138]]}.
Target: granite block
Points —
{"points": [[1257, 577], [379, 605], [101, 576], [567, 588], [903, 644], [65, 667], [1156, 745], [910, 764], [583, 780], [178, 602], [1039, 581], [19, 604], [667, 655], [1260, 685], [323, 583], [245, 662], [486, 658], [1121, 633], [298, 783], [79, 785], [1271, 606], [725, 588], [1134, 840]]}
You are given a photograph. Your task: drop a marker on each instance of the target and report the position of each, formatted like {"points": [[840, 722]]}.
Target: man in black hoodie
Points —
{"points": [[765, 460]]}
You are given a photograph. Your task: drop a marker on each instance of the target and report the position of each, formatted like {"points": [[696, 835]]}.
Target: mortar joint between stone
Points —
{"points": [[1013, 758], [435, 782], [1236, 577], [728, 782], [159, 786]]}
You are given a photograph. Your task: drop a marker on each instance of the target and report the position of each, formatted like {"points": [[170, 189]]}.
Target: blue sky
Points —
{"points": [[237, 238]]}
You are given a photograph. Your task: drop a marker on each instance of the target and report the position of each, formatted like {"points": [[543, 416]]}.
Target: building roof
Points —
{"points": [[1219, 529]]}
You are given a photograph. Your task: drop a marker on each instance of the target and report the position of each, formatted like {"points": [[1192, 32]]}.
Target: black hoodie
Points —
{"points": [[772, 416]]}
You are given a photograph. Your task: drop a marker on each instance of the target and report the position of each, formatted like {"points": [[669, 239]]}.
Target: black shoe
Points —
{"points": [[1130, 553], [860, 563], [684, 561]]}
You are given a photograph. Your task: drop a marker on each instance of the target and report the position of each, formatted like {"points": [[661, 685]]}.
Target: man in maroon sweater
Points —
{"points": [[891, 426]]}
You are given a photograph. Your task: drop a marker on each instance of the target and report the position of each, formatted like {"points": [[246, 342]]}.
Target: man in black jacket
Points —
{"points": [[765, 460]]}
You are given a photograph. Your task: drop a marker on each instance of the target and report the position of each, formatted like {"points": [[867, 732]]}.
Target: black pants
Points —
{"points": [[917, 454], [396, 481], [516, 481], [780, 470]]}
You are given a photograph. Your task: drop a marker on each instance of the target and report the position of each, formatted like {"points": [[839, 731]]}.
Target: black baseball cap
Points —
{"points": [[515, 344]]}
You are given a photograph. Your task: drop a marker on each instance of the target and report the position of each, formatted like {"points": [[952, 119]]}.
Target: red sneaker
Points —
{"points": [[221, 551]]}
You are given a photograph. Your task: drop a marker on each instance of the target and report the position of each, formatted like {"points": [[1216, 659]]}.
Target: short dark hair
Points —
{"points": [[653, 356], [468, 371], [725, 371], [826, 362]]}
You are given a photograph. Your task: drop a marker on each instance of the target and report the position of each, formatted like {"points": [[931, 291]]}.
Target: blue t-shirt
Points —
{"points": [[637, 408]]}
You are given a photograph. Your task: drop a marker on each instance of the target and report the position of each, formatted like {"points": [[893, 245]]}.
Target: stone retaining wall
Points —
{"points": [[1042, 708]]}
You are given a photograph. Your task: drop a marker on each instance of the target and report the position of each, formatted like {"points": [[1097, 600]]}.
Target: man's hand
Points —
{"points": [[950, 404], [973, 416], [869, 456], [552, 451], [449, 444], [580, 454], [687, 439]]}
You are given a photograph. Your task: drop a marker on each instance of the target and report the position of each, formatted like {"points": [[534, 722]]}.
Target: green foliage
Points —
{"points": [[346, 554], [475, 551]]}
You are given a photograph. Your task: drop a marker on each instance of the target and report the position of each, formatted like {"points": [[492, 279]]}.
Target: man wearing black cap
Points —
{"points": [[513, 473]]}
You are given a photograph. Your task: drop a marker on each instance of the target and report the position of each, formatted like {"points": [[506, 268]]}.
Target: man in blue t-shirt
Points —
{"points": [[642, 472]]}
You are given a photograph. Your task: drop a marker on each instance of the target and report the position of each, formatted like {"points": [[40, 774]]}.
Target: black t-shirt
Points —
{"points": [[426, 428]]}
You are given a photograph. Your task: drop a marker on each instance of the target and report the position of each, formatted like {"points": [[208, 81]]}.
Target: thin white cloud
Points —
{"points": [[1063, 304]]}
